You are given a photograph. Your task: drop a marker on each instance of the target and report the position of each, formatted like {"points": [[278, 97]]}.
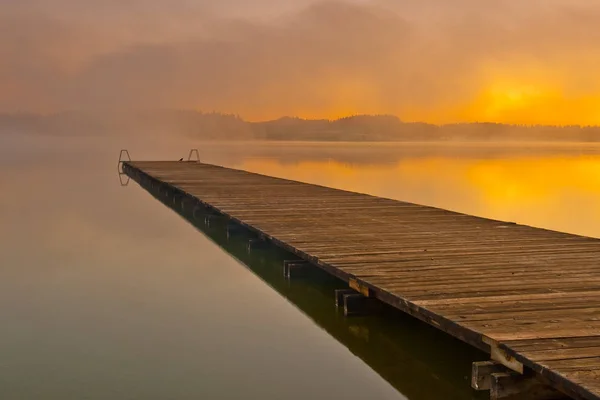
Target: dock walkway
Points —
{"points": [[530, 297]]}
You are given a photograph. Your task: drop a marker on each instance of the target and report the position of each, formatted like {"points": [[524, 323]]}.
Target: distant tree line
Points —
{"points": [[218, 126]]}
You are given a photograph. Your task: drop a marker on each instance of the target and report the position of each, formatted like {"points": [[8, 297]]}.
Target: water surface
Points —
{"points": [[107, 293]]}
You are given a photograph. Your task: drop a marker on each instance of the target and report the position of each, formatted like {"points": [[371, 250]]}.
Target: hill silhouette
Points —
{"points": [[219, 126]]}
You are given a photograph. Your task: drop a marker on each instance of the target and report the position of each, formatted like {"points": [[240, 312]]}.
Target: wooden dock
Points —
{"points": [[529, 297]]}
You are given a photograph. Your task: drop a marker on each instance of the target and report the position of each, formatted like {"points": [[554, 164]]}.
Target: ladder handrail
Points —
{"points": [[194, 151], [121, 160]]}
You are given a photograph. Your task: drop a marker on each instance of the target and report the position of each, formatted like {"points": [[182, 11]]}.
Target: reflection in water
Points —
{"points": [[418, 360], [553, 192], [105, 294], [124, 179]]}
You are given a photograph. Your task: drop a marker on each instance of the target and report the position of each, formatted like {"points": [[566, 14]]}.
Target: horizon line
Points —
{"points": [[288, 116]]}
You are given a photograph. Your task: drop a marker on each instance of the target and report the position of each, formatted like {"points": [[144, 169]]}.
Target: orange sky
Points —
{"points": [[511, 103], [531, 62], [534, 94]]}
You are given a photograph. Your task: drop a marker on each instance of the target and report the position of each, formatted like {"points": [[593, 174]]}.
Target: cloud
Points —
{"points": [[246, 67], [468, 60]]}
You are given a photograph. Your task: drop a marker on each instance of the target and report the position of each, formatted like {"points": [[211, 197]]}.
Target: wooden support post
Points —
{"points": [[164, 190], [199, 212], [187, 204], [202, 213], [295, 269], [285, 262], [481, 374], [339, 296], [359, 287], [256, 244], [511, 385], [500, 355], [211, 216], [177, 197], [233, 228], [357, 304]]}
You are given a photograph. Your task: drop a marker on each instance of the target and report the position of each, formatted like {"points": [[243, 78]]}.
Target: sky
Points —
{"points": [[437, 61]]}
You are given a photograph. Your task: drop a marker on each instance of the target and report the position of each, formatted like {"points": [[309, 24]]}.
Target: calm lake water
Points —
{"points": [[105, 293]]}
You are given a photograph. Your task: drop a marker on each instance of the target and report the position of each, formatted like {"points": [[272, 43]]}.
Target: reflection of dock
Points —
{"points": [[418, 360], [529, 297]]}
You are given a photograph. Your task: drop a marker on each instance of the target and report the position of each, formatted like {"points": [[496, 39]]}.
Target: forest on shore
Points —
{"points": [[219, 126]]}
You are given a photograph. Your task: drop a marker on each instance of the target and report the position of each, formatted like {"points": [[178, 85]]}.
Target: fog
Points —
{"points": [[434, 61]]}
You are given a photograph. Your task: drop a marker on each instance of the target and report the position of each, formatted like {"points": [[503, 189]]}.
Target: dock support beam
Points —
{"points": [[500, 355], [178, 198], [202, 213], [187, 204], [339, 296], [359, 287], [505, 384], [295, 269], [210, 217], [198, 212], [481, 374], [233, 229], [256, 244], [511, 385], [358, 305]]}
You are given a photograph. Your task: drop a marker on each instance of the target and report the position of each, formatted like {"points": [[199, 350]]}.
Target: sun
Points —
{"points": [[515, 96], [507, 98]]}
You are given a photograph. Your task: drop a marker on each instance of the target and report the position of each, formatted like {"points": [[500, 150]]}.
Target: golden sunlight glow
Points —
{"points": [[532, 102], [519, 105], [502, 97], [519, 95], [530, 94]]}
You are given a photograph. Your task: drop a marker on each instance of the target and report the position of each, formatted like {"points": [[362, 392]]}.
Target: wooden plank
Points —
{"points": [[562, 354], [553, 343]]}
